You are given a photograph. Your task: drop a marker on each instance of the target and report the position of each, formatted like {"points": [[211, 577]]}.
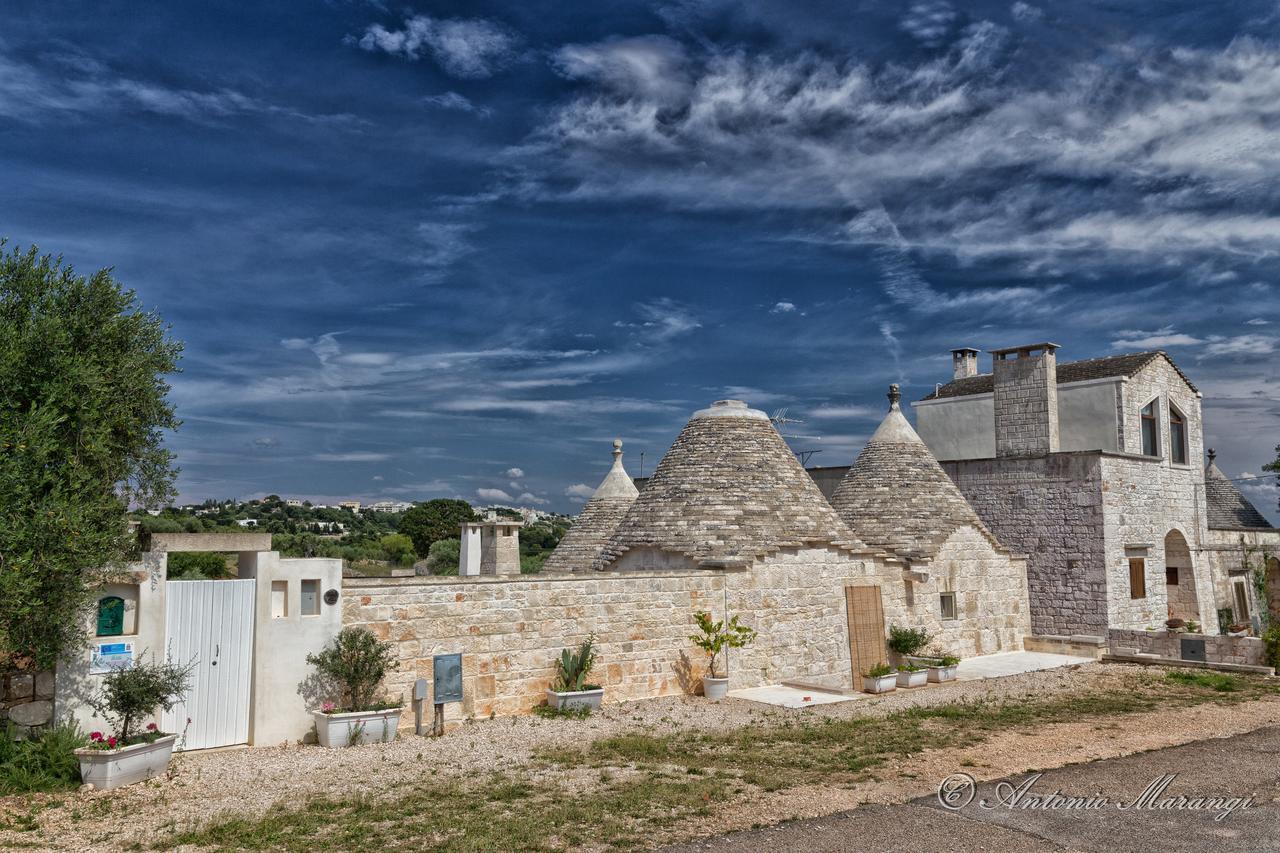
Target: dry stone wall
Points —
{"points": [[26, 700]]}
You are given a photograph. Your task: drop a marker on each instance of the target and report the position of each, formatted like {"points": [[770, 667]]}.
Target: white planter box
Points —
{"points": [[917, 678], [110, 768], [939, 674], [574, 699], [356, 727], [715, 688], [880, 684]]}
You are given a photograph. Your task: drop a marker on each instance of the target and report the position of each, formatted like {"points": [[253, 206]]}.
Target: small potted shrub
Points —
{"points": [[572, 691], [1193, 627], [713, 638], [355, 663], [942, 668], [134, 752], [1175, 626], [879, 679], [908, 642], [910, 675]]}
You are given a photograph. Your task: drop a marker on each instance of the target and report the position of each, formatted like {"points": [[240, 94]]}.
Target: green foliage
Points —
{"points": [[128, 695], [1225, 618], [550, 712], [1274, 467], [428, 523], [198, 565], [356, 662], [82, 412], [443, 557], [1211, 680], [908, 641], [880, 670], [1271, 640], [398, 548], [573, 667], [946, 660], [45, 762], [714, 637], [531, 564]]}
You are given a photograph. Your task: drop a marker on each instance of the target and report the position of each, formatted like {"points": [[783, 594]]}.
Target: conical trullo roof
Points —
{"points": [[581, 546], [1227, 508], [728, 492], [897, 497]]}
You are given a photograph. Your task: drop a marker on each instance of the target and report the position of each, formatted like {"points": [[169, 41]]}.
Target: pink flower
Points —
{"points": [[151, 727], [328, 707], [111, 741], [96, 737]]}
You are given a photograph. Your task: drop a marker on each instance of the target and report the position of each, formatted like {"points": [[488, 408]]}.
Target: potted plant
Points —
{"points": [[1175, 625], [942, 668], [571, 690], [879, 679], [713, 638], [1193, 627], [355, 663], [907, 642], [1238, 629], [126, 698], [910, 675]]}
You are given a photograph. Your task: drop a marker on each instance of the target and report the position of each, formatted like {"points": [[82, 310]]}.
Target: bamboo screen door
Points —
{"points": [[866, 628]]}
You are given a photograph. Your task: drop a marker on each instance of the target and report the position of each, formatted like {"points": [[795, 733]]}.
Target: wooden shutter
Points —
{"points": [[866, 628]]}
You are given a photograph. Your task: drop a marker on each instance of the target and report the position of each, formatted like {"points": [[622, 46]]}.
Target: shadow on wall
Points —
{"points": [[315, 690], [689, 678]]}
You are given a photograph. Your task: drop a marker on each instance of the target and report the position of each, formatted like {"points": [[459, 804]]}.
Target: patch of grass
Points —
{"points": [[1212, 680], [43, 763], [549, 712]]}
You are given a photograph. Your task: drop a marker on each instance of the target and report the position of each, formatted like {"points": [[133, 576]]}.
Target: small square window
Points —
{"points": [[279, 599], [948, 603], [1137, 577], [310, 598], [1171, 575]]}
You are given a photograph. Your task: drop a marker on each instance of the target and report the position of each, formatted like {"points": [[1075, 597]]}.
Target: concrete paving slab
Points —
{"points": [[792, 697], [1013, 663]]}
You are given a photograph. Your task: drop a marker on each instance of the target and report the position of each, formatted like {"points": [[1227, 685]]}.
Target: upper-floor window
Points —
{"points": [[1177, 436], [1150, 430]]}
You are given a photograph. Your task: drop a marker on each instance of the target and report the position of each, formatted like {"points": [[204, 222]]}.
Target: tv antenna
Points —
{"points": [[780, 419]]}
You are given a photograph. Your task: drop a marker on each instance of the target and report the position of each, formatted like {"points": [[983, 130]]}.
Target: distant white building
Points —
{"points": [[247, 522], [293, 502], [390, 506], [354, 506]]}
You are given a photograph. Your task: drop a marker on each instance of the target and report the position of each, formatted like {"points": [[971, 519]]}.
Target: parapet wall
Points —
{"points": [[510, 630], [1247, 651]]}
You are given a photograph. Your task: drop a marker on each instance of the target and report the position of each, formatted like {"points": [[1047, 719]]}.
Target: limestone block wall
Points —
{"points": [[1143, 500], [1159, 380], [991, 596], [510, 630], [1050, 509], [26, 700], [1217, 648], [1026, 404], [1227, 552]]}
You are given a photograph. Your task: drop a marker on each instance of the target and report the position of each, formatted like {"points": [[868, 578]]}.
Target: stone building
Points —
{"points": [[580, 548], [896, 496], [1089, 468], [1239, 543]]}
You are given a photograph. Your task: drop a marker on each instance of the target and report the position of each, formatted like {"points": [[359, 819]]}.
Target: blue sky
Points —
{"points": [[448, 249]]}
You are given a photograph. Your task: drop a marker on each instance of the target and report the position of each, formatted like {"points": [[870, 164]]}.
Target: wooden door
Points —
{"points": [[866, 629]]}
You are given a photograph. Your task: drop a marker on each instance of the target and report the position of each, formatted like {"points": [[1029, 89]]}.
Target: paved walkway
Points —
{"points": [[986, 666], [1233, 768]]}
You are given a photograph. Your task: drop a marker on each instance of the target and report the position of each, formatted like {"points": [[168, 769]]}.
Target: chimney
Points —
{"points": [[1026, 399], [964, 363]]}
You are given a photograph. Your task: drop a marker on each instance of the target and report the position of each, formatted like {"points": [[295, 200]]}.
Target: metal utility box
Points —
{"points": [[446, 679], [1193, 649]]}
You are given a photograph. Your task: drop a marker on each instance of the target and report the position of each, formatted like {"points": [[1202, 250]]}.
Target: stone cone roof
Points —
{"points": [[896, 496], [581, 546], [728, 492], [1227, 508]]}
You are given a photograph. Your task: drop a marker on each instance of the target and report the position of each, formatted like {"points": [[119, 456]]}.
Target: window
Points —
{"points": [[310, 598], [110, 616], [1171, 575], [1137, 577], [948, 600], [1150, 430], [279, 599], [1177, 436], [1241, 602]]}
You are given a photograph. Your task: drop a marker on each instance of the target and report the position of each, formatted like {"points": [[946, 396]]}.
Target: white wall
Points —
{"points": [[958, 427]]}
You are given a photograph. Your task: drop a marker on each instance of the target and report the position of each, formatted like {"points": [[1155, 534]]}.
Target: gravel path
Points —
{"points": [[249, 781]]}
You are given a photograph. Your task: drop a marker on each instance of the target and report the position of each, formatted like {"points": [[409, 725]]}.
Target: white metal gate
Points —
{"points": [[211, 623]]}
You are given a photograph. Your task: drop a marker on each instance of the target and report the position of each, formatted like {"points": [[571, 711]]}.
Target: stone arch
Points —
{"points": [[1273, 589], [1180, 578]]}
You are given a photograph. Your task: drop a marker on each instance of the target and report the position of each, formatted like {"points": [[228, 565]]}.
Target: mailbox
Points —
{"points": [[446, 679]]}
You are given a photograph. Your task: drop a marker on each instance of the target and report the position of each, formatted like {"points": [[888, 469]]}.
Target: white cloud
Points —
{"points": [[457, 102], [782, 308], [442, 245], [1257, 321], [1241, 345], [650, 67], [580, 490], [930, 22], [467, 48], [353, 456], [1165, 337], [832, 412], [530, 498], [662, 319], [1025, 12], [493, 495], [515, 473]]}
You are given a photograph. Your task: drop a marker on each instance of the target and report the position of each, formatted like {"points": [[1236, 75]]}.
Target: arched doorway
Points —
{"points": [[1180, 578], [1273, 589]]}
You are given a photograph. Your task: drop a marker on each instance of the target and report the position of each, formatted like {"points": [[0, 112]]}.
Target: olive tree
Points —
{"points": [[83, 410]]}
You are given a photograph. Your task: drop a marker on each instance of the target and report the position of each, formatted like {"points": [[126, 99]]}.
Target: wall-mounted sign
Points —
{"points": [[104, 657], [446, 679], [331, 597]]}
